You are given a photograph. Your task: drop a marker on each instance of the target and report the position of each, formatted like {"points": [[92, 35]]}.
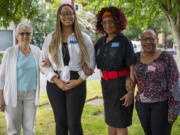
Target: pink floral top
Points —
{"points": [[159, 81]]}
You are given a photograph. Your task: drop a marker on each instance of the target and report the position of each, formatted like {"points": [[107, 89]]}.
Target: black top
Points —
{"points": [[116, 55], [65, 53]]}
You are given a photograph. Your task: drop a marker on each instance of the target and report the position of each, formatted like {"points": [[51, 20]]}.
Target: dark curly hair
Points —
{"points": [[118, 16]]}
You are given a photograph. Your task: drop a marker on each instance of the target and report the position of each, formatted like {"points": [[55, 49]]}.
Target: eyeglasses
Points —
{"points": [[25, 33], [66, 13], [148, 39], [110, 22]]}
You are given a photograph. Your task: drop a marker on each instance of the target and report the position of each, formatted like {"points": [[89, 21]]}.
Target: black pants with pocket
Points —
{"points": [[154, 118], [67, 107]]}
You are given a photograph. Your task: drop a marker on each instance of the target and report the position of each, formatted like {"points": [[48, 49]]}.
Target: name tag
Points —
{"points": [[73, 42], [115, 44], [152, 68]]}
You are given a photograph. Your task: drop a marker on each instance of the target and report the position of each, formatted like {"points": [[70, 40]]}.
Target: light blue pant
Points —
{"points": [[23, 115]]}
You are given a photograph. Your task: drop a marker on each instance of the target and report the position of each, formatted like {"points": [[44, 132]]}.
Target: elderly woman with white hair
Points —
{"points": [[19, 82]]}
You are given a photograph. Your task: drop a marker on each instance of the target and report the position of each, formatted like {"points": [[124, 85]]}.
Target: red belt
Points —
{"points": [[114, 74]]}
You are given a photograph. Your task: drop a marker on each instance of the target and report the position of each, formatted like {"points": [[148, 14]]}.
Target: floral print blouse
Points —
{"points": [[159, 81]]}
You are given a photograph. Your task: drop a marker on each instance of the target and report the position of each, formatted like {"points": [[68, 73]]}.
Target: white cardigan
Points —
{"points": [[75, 57], [8, 80]]}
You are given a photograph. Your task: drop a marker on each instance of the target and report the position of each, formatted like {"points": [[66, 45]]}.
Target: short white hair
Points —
{"points": [[24, 24]]}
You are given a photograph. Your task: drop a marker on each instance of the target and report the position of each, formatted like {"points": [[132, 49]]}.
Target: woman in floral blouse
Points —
{"points": [[158, 96]]}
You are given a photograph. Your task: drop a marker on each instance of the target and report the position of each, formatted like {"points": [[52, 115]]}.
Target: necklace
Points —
{"points": [[150, 54], [25, 50]]}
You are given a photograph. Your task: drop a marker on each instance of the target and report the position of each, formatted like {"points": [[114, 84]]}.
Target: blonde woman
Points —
{"points": [[67, 49]]}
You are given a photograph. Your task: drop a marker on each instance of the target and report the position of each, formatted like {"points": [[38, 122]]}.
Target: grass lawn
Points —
{"points": [[92, 125]]}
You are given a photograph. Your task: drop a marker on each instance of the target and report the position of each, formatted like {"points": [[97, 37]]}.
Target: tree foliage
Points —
{"points": [[160, 24], [133, 9], [86, 21], [15, 10], [143, 13], [140, 13], [139, 18], [170, 7], [44, 22]]}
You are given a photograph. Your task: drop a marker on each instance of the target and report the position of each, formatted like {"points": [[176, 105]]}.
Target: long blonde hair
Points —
{"points": [[56, 38]]}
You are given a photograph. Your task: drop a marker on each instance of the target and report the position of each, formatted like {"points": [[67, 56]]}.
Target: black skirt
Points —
{"points": [[116, 115]]}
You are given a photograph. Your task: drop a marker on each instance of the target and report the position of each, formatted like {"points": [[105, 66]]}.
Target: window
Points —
{"points": [[7, 39]]}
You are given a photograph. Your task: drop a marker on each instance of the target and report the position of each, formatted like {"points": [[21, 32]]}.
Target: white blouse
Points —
{"points": [[75, 58]]}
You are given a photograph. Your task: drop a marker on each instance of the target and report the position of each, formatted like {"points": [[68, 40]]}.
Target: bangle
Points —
{"points": [[130, 94]]}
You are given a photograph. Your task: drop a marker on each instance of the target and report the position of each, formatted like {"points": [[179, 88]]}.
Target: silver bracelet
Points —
{"points": [[130, 94]]}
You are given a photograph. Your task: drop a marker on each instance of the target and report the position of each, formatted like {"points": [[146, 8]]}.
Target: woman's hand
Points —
{"points": [[2, 103], [128, 98], [73, 83], [59, 83], [46, 63], [171, 118], [88, 71], [67, 85]]}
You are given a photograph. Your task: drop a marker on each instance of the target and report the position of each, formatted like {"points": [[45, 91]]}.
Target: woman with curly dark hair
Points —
{"points": [[115, 58]]}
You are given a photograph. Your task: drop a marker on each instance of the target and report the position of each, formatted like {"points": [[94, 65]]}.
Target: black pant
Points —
{"points": [[67, 107], [154, 118]]}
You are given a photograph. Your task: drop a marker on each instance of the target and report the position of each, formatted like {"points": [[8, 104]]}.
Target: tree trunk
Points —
{"points": [[174, 24]]}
